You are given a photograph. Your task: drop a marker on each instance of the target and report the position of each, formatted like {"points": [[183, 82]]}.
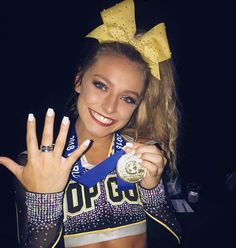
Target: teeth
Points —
{"points": [[101, 118]]}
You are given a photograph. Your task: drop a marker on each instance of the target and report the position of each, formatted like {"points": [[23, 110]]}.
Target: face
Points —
{"points": [[110, 91]]}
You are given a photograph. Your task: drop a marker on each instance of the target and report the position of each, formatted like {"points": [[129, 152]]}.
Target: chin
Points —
{"points": [[102, 132]]}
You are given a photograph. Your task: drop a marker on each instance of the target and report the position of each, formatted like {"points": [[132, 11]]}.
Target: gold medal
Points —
{"points": [[129, 169]]}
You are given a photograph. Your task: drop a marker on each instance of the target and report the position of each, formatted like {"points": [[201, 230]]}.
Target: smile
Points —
{"points": [[101, 119]]}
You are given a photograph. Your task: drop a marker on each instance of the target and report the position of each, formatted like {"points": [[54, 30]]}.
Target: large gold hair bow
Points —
{"points": [[119, 25]]}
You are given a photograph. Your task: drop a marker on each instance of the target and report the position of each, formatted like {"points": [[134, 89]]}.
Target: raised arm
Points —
{"points": [[154, 197], [39, 218], [42, 180]]}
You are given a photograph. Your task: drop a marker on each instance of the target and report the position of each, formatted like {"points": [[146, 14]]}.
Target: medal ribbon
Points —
{"points": [[96, 174]]}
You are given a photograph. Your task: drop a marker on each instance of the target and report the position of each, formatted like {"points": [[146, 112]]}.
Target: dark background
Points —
{"points": [[40, 44]]}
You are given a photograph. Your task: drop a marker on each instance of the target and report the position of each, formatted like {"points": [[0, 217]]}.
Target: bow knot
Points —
{"points": [[119, 25]]}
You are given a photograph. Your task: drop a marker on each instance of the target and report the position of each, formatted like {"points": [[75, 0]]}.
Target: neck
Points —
{"points": [[100, 145], [83, 134]]}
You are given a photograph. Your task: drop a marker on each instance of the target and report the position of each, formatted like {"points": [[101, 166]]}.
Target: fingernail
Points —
{"points": [[30, 117], [139, 160], [133, 152], [128, 144], [50, 112], [86, 143], [65, 120], [139, 155], [126, 149]]}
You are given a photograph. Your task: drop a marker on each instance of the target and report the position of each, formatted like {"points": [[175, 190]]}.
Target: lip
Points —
{"points": [[91, 111]]}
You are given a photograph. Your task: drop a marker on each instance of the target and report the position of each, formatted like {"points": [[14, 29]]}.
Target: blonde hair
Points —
{"points": [[157, 116]]}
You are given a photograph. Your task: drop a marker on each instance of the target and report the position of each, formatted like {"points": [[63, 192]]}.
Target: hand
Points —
{"points": [[45, 172], [152, 159]]}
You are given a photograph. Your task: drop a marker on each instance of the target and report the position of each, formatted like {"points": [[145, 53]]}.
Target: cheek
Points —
{"points": [[126, 112], [88, 96]]}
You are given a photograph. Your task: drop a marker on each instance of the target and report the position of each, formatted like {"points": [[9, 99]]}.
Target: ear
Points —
{"points": [[78, 83], [77, 88]]}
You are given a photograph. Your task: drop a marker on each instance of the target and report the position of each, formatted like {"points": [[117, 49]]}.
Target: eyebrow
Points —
{"points": [[109, 82]]}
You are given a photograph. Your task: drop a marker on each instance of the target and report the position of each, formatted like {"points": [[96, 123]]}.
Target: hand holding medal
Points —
{"points": [[129, 168], [144, 163]]}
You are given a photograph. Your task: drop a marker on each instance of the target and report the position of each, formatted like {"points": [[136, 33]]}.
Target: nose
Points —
{"points": [[110, 104]]}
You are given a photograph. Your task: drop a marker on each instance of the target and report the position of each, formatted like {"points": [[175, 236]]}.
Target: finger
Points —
{"points": [[132, 145], [31, 137], [77, 153], [151, 169], [11, 165], [47, 137], [154, 158], [138, 148], [61, 138], [147, 148]]}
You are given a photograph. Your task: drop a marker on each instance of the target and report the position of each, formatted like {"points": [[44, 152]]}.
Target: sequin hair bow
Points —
{"points": [[119, 25]]}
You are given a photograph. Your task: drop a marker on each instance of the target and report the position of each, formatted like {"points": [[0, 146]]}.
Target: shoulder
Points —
{"points": [[128, 138], [141, 140], [146, 141]]}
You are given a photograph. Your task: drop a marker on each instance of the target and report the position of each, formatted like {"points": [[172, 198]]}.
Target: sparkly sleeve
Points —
{"points": [[39, 218], [158, 207]]}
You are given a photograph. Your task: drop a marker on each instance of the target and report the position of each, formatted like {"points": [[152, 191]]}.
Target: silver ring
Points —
{"points": [[46, 148]]}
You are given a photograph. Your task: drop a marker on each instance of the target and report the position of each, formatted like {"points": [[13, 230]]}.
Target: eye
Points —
{"points": [[129, 100], [100, 85]]}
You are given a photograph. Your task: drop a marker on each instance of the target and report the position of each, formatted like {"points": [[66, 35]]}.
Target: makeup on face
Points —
{"points": [[110, 91]]}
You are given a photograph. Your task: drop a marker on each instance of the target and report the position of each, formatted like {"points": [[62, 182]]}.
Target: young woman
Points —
{"points": [[104, 175]]}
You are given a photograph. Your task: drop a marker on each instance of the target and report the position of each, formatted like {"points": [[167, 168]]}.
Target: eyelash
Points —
{"points": [[100, 85], [129, 100], [103, 87]]}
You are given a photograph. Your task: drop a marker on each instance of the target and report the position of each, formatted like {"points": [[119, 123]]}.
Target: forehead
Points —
{"points": [[118, 70]]}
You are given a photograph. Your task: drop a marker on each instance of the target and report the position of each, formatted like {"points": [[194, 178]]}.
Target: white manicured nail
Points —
{"points": [[128, 144], [31, 117], [65, 120], [86, 143], [140, 160], [50, 112], [133, 152], [126, 149]]}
